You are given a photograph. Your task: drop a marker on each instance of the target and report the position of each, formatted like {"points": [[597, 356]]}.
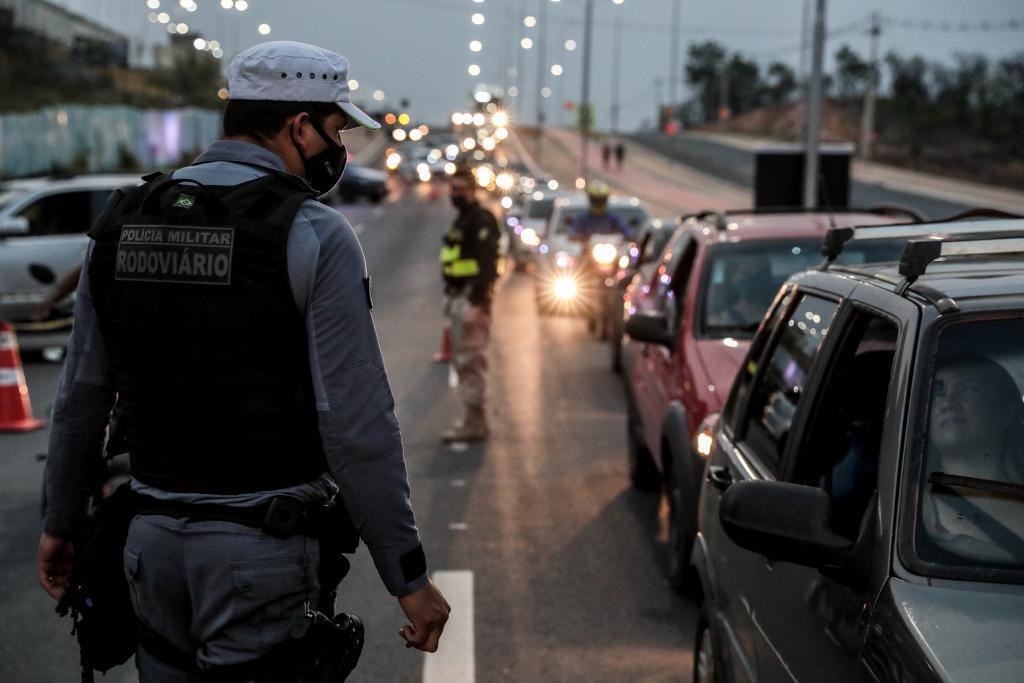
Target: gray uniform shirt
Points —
{"points": [[357, 421]]}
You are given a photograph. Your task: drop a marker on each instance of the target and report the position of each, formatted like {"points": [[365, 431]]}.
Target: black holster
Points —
{"points": [[97, 594]]}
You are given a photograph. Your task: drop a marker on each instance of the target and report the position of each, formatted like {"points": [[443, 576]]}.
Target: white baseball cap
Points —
{"points": [[287, 71]]}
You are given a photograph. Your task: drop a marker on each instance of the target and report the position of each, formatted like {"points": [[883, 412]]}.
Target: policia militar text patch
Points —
{"points": [[175, 253]]}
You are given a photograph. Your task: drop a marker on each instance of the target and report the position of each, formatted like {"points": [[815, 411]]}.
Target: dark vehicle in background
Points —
{"points": [[688, 331], [641, 260], [361, 182], [862, 509]]}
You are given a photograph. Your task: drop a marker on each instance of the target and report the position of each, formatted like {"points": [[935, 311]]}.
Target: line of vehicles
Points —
{"points": [[832, 403]]}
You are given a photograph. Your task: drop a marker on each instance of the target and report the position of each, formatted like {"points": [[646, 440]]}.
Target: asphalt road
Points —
{"points": [[566, 559]]}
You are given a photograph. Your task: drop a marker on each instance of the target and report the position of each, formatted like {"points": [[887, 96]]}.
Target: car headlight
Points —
{"points": [[565, 288], [604, 254], [563, 260], [529, 237]]}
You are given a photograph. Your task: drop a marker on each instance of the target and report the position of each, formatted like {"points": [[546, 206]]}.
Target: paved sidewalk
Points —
{"points": [[668, 187]]}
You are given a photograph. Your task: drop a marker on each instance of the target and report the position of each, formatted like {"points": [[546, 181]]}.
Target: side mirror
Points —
{"points": [[13, 225], [783, 521], [652, 328]]}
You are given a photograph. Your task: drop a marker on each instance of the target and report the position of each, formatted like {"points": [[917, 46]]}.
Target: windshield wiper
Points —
{"points": [[1004, 488]]}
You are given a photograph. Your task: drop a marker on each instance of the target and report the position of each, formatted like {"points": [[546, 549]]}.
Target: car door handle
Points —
{"points": [[720, 477]]}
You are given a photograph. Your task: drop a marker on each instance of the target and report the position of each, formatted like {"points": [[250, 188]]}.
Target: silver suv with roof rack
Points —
{"points": [[862, 510]]}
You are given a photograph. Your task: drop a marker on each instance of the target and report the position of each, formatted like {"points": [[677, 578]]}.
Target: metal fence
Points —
{"points": [[101, 138]]}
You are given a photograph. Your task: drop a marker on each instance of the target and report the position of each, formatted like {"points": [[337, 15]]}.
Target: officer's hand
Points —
{"points": [[53, 564], [428, 611]]}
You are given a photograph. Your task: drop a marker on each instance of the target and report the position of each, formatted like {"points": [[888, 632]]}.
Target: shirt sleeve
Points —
{"points": [[356, 408], [85, 396]]}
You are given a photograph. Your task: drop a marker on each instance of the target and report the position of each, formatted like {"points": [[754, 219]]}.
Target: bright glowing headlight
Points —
{"points": [[565, 288], [393, 161], [505, 181], [604, 253], [529, 237], [623, 261], [563, 260]]}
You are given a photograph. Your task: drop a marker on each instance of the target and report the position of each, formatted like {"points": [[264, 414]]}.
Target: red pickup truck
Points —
{"points": [[688, 329]]}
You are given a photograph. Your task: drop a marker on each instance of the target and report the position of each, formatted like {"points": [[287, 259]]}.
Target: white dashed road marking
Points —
{"points": [[455, 659]]}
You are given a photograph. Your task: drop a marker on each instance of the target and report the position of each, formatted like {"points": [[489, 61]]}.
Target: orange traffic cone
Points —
{"points": [[15, 409], [445, 354]]}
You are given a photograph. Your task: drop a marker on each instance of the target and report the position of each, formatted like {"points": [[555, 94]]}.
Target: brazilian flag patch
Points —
{"points": [[185, 201]]}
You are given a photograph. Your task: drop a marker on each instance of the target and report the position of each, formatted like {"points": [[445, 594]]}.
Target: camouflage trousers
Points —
{"points": [[470, 330]]}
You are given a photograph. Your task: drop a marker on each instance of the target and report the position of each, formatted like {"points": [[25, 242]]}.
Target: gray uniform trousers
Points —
{"points": [[227, 592]]}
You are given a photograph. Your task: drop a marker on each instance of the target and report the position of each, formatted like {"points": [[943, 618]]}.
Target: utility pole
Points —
{"points": [[542, 40], [814, 110], [674, 67], [867, 122], [584, 114], [723, 93], [800, 129], [616, 69]]}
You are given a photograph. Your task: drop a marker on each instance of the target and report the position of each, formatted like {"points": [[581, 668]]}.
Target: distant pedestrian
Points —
{"points": [[620, 155], [606, 155]]}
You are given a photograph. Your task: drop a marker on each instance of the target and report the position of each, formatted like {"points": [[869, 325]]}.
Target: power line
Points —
{"points": [[947, 26]]}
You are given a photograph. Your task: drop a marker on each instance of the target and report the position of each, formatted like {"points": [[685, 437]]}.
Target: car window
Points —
{"points": [[971, 507], [671, 278], [777, 392], [840, 453], [743, 278], [61, 213], [746, 375], [631, 217], [540, 208]]}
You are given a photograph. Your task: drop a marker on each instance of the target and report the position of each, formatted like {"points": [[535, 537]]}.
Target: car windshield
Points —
{"points": [[631, 217], [742, 278], [970, 519], [541, 208]]}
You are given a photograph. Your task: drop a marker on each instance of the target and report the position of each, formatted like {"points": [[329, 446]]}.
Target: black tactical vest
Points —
{"points": [[208, 348]]}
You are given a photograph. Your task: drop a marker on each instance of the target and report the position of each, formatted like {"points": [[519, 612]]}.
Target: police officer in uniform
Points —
{"points": [[228, 314], [469, 265]]}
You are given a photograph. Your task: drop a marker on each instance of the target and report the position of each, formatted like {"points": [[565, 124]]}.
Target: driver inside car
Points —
{"points": [[975, 430]]}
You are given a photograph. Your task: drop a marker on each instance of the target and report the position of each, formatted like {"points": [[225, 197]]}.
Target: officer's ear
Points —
{"points": [[299, 131]]}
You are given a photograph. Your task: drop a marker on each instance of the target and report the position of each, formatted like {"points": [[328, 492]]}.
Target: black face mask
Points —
{"points": [[323, 170], [460, 202]]}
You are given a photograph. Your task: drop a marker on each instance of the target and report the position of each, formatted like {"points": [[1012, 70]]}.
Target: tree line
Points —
{"points": [[975, 95]]}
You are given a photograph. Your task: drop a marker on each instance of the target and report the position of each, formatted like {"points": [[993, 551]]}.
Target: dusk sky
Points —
{"points": [[419, 49]]}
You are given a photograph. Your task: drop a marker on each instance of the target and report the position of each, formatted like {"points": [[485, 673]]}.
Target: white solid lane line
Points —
{"points": [[455, 659]]}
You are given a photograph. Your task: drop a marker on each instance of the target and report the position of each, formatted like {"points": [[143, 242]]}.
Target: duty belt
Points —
{"points": [[280, 517]]}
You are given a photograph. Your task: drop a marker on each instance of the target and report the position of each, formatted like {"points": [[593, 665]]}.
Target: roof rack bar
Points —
{"points": [[918, 254], [836, 239]]}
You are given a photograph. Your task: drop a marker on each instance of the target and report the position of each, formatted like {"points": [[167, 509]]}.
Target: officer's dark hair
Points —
{"points": [[263, 119], [464, 172]]}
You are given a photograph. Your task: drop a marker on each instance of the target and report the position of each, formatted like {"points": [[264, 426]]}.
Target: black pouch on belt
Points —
{"points": [[97, 594]]}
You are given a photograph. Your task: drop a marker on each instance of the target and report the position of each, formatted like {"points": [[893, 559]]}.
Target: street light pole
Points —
{"points": [[814, 110], [867, 122], [542, 40], [584, 114], [674, 67], [616, 68]]}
